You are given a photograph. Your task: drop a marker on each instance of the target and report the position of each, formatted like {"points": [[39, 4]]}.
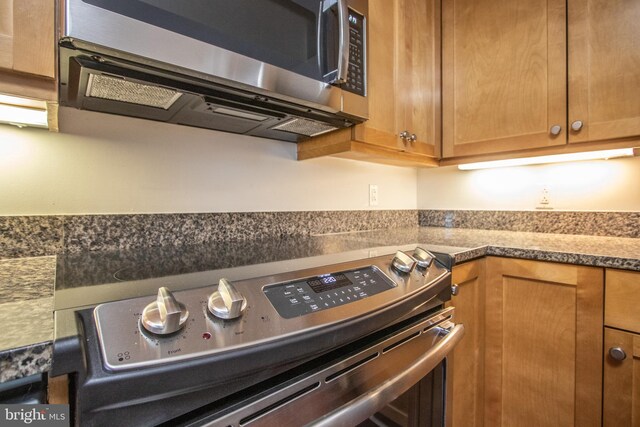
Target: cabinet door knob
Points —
{"points": [[577, 125], [413, 137], [455, 290], [404, 134], [555, 130], [617, 353]]}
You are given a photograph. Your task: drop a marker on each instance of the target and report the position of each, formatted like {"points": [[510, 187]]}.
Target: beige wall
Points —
{"points": [[603, 185], [102, 163]]}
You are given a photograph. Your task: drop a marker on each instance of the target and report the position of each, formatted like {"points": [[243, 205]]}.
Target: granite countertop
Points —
{"points": [[26, 284]]}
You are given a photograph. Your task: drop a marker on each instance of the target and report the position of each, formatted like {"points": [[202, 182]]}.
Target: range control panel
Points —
{"points": [[293, 299], [220, 318]]}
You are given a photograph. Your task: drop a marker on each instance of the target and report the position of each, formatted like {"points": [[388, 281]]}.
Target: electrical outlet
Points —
{"points": [[373, 195], [545, 199]]}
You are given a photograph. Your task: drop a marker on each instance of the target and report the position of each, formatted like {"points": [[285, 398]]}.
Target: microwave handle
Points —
{"points": [[343, 40], [366, 405]]}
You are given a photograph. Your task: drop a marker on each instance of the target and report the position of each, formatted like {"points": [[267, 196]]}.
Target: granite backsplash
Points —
{"points": [[613, 224], [31, 236], [27, 236]]}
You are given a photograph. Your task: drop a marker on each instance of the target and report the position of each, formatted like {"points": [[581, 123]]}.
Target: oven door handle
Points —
{"points": [[364, 406]]}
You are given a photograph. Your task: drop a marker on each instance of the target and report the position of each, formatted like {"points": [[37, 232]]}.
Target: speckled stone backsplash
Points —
{"points": [[28, 236], [614, 224], [51, 235]]}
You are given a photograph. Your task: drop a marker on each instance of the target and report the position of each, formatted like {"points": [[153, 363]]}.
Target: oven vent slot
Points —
{"points": [[399, 343], [351, 367], [279, 403]]}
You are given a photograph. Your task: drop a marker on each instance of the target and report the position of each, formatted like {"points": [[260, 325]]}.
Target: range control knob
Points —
{"points": [[226, 302], [403, 262], [166, 315], [423, 257]]}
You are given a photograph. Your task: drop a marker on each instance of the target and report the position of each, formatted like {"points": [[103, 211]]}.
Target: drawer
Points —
{"points": [[622, 300]]}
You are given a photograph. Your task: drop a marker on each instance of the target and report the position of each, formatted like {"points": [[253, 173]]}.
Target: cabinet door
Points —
{"points": [[621, 380], [418, 74], [543, 359], [380, 129], [403, 75], [27, 36], [604, 64], [465, 375], [504, 75]]}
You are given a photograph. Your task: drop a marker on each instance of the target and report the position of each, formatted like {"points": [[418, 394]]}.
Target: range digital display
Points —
{"points": [[328, 281]]}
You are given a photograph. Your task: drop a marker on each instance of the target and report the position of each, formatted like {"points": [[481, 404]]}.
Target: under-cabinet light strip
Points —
{"points": [[554, 158]]}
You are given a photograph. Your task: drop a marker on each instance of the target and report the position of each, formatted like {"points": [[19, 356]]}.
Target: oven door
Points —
{"points": [[296, 48], [395, 379]]}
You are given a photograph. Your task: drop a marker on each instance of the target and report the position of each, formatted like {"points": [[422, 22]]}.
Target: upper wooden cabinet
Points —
{"points": [[505, 74], [27, 48], [404, 84], [403, 89], [604, 69]]}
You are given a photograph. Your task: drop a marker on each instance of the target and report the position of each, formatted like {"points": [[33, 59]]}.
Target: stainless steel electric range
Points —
{"points": [[243, 338]]}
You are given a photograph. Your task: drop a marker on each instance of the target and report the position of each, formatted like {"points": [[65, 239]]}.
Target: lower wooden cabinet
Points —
{"points": [[543, 344], [465, 376], [621, 403]]}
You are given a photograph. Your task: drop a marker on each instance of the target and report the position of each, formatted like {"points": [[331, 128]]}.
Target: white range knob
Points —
{"points": [[226, 302], [164, 316]]}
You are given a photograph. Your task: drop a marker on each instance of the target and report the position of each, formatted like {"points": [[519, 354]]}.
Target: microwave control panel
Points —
{"points": [[356, 77]]}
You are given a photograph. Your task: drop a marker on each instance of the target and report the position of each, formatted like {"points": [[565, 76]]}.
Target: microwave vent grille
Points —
{"points": [[117, 89], [304, 127]]}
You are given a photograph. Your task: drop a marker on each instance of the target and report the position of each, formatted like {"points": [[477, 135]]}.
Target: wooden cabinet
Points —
{"points": [[466, 375], [27, 48], [604, 69], [505, 75], [543, 338], [403, 76], [403, 89], [621, 402], [621, 405]]}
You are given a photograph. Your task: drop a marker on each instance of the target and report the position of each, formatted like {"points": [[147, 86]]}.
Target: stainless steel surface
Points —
{"points": [[617, 353], [445, 327], [576, 125], [226, 302], [94, 28], [343, 50], [403, 262], [359, 385], [455, 290], [555, 130], [423, 257], [204, 335], [165, 315], [361, 408]]}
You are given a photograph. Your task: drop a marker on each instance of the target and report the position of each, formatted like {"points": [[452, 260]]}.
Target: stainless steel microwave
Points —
{"points": [[284, 69]]}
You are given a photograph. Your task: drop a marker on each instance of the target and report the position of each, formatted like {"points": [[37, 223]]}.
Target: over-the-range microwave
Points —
{"points": [[281, 69]]}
